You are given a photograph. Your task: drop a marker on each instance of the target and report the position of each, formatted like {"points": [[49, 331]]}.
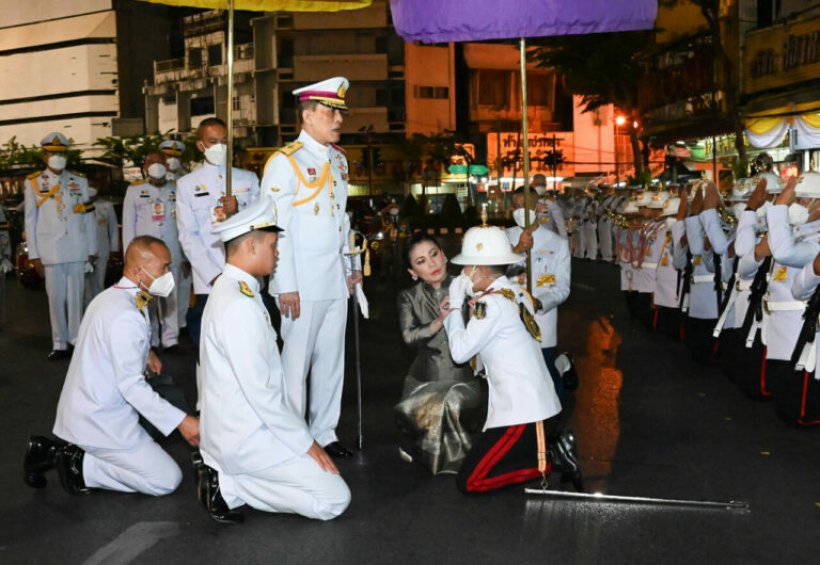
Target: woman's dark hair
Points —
{"points": [[415, 239]]}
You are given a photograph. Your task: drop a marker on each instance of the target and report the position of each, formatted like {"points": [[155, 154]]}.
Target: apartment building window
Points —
{"points": [[438, 92], [493, 88], [202, 106], [539, 88], [214, 55], [194, 58], [285, 53]]}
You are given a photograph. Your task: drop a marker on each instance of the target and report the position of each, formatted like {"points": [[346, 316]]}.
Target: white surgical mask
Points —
{"points": [[518, 216], [540, 190], [394, 211], [161, 286], [57, 162], [173, 164], [798, 214], [473, 278], [217, 154], [157, 171]]}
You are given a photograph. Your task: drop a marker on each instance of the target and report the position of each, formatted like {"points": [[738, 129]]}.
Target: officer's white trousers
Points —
{"points": [[146, 468], [315, 344], [591, 240], [95, 282], [297, 486], [184, 287], [165, 310], [578, 242], [605, 240], [65, 283]]}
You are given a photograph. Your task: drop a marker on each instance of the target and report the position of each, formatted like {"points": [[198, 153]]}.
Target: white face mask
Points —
{"points": [[173, 164], [540, 190], [518, 216], [161, 286], [57, 162], [798, 214], [761, 212], [217, 154], [157, 171], [394, 211]]}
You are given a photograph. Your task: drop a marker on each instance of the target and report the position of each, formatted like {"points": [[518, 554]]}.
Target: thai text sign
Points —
{"points": [[782, 55], [547, 150]]}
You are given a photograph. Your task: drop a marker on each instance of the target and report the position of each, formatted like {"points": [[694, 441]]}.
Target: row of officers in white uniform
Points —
{"points": [[734, 278]]}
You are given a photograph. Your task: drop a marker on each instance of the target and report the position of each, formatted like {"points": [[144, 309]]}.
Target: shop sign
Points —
{"points": [[782, 55]]}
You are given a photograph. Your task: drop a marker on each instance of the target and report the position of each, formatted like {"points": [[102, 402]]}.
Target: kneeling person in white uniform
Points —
{"points": [[257, 450], [105, 392]]}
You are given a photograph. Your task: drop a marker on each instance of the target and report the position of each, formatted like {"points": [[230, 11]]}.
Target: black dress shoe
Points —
{"points": [[210, 497], [40, 457], [337, 450], [565, 457], [70, 469], [59, 354]]}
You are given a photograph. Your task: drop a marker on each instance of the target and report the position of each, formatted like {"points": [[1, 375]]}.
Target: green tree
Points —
{"points": [[602, 68]]}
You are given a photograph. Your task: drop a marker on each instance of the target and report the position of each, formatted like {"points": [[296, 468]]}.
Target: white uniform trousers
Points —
{"points": [[184, 288], [578, 242], [297, 486], [146, 468], [605, 240], [65, 284], [165, 310], [95, 282], [591, 240], [315, 343]]}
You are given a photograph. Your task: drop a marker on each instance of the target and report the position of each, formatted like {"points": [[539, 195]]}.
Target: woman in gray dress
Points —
{"points": [[441, 407]]}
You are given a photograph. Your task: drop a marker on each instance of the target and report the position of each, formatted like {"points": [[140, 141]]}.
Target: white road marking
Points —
{"points": [[137, 539]]}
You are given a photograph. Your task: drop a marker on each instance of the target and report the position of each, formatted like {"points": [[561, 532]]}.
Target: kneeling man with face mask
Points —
{"points": [[517, 444], [105, 392]]}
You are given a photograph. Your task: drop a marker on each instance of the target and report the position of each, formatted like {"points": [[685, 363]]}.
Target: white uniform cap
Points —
{"points": [[658, 200], [259, 216], [670, 207], [330, 92], [631, 207], [172, 147], [55, 142], [741, 190], [808, 185], [486, 245]]}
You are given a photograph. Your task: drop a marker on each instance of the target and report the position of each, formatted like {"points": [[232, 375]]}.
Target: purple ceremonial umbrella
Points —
{"points": [[439, 21]]}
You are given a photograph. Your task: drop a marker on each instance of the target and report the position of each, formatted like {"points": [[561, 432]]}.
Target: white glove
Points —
{"points": [[88, 268], [458, 290], [6, 266]]}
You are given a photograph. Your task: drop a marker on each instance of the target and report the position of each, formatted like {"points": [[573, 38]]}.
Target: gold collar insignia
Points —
{"points": [[245, 289]]}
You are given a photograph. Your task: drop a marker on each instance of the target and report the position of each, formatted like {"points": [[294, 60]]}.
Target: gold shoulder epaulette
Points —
{"points": [[245, 289], [76, 174], [34, 175], [290, 148], [136, 182]]}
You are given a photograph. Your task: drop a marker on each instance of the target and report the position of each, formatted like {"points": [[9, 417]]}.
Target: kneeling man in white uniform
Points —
{"points": [[256, 449], [105, 392]]}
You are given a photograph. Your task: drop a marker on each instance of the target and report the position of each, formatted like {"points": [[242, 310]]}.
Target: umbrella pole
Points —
{"points": [[525, 147], [229, 113]]}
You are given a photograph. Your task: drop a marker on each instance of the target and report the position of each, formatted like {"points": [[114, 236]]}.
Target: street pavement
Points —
{"points": [[649, 422]]}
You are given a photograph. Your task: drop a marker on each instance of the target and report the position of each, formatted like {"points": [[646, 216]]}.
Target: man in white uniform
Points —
{"points": [[60, 239], [551, 276], [102, 214], [173, 150], [201, 202], [307, 181], [150, 209], [513, 445], [256, 448], [105, 392], [553, 212]]}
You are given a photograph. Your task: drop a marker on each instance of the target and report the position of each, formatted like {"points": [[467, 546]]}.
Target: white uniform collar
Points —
{"points": [[211, 168], [314, 146], [51, 174], [499, 283], [127, 284], [238, 274]]}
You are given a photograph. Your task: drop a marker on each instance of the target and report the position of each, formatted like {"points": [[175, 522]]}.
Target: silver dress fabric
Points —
{"points": [[442, 405]]}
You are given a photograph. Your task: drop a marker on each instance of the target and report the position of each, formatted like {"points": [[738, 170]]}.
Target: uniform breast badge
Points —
{"points": [[545, 279], [79, 208], [480, 310], [245, 289], [781, 275]]}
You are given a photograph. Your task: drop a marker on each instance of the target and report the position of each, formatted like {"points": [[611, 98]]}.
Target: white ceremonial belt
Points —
{"points": [[723, 315], [743, 285], [789, 306], [649, 265], [702, 278]]}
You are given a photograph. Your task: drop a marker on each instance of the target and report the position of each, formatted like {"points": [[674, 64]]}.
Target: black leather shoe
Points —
{"points": [[337, 450], [40, 457], [565, 458], [70, 468], [210, 497], [57, 354]]}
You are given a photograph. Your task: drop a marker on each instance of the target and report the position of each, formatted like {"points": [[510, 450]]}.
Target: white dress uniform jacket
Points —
{"points": [[108, 241], [702, 299], [308, 184], [803, 286], [666, 276], [521, 389], [198, 195], [104, 394], [551, 277], [151, 210]]}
